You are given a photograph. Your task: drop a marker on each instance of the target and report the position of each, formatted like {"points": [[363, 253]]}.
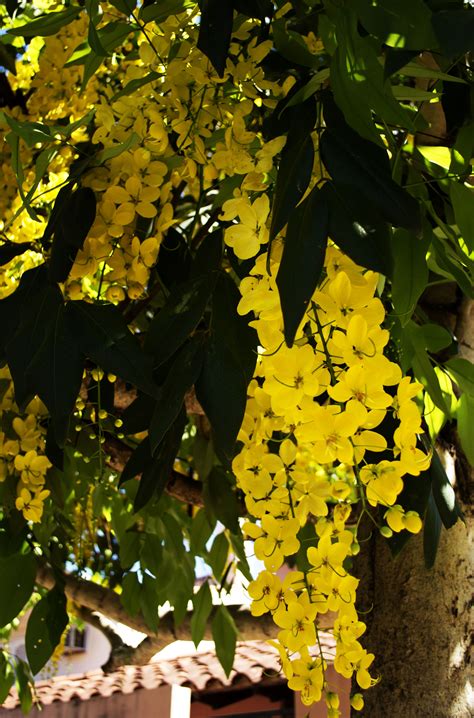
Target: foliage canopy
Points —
{"points": [[220, 225]]}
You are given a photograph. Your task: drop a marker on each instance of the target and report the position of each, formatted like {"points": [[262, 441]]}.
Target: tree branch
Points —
{"points": [[95, 598]]}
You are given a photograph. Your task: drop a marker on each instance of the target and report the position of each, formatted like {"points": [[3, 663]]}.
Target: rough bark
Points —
{"points": [[420, 622], [420, 628]]}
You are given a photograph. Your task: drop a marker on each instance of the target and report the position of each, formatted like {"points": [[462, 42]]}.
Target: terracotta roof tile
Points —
{"points": [[255, 661]]}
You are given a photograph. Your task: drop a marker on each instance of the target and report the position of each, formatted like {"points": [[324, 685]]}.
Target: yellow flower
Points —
{"points": [[246, 237], [32, 467], [31, 505]]}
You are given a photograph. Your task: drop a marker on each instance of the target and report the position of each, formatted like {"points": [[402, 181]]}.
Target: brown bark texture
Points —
{"points": [[420, 622]]}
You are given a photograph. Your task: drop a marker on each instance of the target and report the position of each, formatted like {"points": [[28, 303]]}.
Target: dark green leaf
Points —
{"points": [[455, 31], [178, 318], [125, 6], [48, 24], [12, 308], [291, 45], [55, 372], [161, 10], [45, 627], [7, 60], [353, 160], [431, 532], [220, 496], [130, 545], [73, 223], [358, 83], [134, 85], [202, 606], [294, 174], [137, 415], [405, 23], [158, 473], [139, 460], [215, 31], [303, 259], [357, 228], [18, 572], [443, 493], [224, 634], [232, 328], [435, 337], [410, 274], [10, 250], [104, 337], [183, 373], [229, 361], [35, 325]]}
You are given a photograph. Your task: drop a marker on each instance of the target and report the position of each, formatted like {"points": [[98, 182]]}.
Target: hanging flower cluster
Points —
{"points": [[331, 427]]}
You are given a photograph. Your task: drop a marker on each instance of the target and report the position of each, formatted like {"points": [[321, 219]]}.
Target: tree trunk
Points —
{"points": [[420, 628]]}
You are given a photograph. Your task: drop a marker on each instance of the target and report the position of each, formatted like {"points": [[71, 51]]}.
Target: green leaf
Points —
{"points": [[220, 496], [202, 607], [18, 572], [131, 593], [7, 676], [140, 459], [10, 250], [352, 160], [215, 30], [134, 85], [308, 90], [465, 419], [30, 132], [45, 627], [149, 601], [291, 45], [182, 375], [435, 337], [455, 31], [118, 149], [156, 475], [303, 259], [425, 373], [178, 318], [74, 220], [125, 6], [48, 24], [55, 372], [443, 493], [7, 60], [161, 10], [224, 634], [359, 85], [229, 361], [463, 204], [295, 169], [130, 545], [431, 532], [109, 36], [410, 274], [104, 337], [151, 553], [218, 555], [416, 69], [200, 532], [397, 23], [358, 229], [462, 372]]}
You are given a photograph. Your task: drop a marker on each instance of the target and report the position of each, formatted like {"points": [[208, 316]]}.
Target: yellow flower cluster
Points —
{"points": [[22, 455], [318, 447]]}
